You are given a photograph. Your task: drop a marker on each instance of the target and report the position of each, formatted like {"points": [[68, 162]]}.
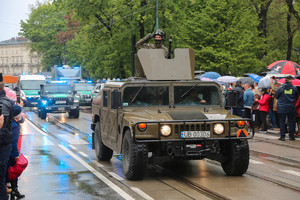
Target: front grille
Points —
{"points": [[191, 127], [85, 96], [60, 100]]}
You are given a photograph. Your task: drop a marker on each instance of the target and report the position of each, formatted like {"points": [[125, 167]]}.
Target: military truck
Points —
{"points": [[57, 97], [164, 112]]}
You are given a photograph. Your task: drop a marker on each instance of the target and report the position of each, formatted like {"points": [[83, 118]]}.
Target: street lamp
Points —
{"points": [[297, 53]]}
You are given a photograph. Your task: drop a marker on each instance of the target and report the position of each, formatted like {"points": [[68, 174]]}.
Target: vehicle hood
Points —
{"points": [[169, 115], [58, 95], [31, 92], [84, 92]]}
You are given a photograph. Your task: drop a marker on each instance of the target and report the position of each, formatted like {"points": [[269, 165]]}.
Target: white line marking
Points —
{"points": [[36, 128], [141, 193], [98, 174], [83, 154], [256, 162], [116, 176], [71, 139], [291, 172], [72, 147]]}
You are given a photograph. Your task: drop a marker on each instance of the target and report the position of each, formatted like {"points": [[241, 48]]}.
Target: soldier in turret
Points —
{"points": [[158, 36]]}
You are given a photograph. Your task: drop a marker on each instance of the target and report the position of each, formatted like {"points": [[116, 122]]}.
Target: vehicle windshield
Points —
{"points": [[83, 87], [146, 96], [199, 95], [55, 89], [32, 84]]}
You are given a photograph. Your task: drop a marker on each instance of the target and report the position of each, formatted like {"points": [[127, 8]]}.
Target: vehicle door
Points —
{"points": [[109, 120]]}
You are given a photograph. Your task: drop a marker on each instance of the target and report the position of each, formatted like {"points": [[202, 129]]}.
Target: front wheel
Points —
{"points": [[236, 154], [103, 153], [134, 158], [43, 114]]}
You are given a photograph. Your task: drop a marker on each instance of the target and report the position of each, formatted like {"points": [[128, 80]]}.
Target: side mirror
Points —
{"points": [[115, 99], [75, 91], [39, 92], [232, 98]]}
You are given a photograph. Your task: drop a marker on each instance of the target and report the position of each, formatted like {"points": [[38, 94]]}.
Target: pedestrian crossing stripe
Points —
{"points": [[242, 133]]}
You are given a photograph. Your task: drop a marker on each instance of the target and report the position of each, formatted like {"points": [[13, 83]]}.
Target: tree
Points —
{"points": [[41, 29]]}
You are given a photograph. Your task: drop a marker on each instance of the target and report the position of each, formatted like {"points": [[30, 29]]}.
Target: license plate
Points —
{"points": [[60, 102], [34, 103], [87, 100], [61, 108], [195, 134]]}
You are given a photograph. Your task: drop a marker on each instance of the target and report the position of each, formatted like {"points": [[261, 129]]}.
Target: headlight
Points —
{"points": [[218, 129], [44, 102], [165, 130], [76, 100]]}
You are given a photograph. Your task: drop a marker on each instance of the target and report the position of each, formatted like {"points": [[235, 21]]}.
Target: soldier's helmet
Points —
{"points": [[160, 33]]}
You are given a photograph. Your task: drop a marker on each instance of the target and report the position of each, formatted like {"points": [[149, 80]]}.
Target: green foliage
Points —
{"points": [[223, 33]]}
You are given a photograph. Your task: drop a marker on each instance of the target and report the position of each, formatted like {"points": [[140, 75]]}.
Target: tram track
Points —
{"points": [[264, 178], [197, 187]]}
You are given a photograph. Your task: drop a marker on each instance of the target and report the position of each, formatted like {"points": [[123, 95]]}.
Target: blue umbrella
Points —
{"points": [[211, 75], [255, 77]]}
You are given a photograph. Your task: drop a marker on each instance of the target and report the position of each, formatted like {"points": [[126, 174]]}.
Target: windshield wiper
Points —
{"points": [[137, 93], [190, 89]]}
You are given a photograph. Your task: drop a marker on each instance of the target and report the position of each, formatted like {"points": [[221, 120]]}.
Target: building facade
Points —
{"points": [[16, 58]]}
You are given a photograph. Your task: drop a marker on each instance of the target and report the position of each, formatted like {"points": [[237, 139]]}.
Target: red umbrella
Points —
{"points": [[285, 67], [295, 82]]}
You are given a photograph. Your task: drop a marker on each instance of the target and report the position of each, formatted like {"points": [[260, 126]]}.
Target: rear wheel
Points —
{"points": [[103, 153], [236, 155], [134, 158]]}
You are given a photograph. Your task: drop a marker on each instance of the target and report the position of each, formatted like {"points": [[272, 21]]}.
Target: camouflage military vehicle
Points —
{"points": [[165, 112]]}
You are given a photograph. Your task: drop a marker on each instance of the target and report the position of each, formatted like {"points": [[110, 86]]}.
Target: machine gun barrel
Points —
{"points": [[169, 54]]}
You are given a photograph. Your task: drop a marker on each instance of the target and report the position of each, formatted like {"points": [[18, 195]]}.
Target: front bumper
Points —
{"points": [[61, 108], [179, 126], [31, 102]]}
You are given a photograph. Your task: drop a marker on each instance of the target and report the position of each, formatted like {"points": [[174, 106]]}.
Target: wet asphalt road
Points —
{"points": [[62, 165]]}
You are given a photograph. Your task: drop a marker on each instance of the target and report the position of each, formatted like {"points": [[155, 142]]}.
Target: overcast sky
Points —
{"points": [[11, 13]]}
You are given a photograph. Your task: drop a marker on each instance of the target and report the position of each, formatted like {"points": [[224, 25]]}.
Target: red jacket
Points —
{"points": [[264, 103], [298, 107]]}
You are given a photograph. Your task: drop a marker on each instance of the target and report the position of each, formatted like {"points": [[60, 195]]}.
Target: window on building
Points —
{"points": [[21, 60], [12, 52], [2, 61], [13, 60], [16, 51], [6, 52], [7, 61], [17, 61], [30, 60]]}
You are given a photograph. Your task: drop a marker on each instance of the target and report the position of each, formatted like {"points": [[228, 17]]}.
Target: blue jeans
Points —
{"points": [[292, 124], [238, 112], [272, 115]]}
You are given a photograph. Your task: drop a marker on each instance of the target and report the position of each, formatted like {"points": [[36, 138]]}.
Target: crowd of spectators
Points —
{"points": [[274, 108]]}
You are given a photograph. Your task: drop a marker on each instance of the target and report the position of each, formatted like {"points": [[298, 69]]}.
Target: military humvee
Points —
{"points": [[165, 112]]}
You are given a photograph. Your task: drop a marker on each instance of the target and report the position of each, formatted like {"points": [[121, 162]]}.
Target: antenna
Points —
{"points": [[156, 14]]}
